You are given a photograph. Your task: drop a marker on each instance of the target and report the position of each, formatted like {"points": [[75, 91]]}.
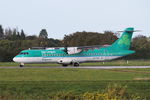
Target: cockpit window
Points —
{"points": [[23, 53]]}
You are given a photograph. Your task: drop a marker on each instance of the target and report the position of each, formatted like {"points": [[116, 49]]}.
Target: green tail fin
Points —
{"points": [[123, 43]]}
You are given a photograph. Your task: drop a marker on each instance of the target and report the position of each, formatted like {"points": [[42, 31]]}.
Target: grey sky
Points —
{"points": [[61, 17]]}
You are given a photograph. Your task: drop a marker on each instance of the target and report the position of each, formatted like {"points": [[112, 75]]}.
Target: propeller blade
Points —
{"points": [[66, 49]]}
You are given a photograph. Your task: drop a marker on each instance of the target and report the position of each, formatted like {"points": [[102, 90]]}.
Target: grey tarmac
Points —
{"points": [[81, 67]]}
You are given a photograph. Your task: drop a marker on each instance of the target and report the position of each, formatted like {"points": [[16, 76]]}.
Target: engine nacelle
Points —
{"points": [[65, 61], [73, 50]]}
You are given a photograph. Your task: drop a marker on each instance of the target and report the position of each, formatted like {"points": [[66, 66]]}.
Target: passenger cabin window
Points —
{"points": [[24, 53]]}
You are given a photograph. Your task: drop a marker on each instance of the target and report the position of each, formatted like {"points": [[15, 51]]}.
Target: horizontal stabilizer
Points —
{"points": [[130, 31], [124, 42]]}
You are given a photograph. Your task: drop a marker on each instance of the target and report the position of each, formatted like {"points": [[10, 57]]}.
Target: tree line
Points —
{"points": [[13, 41]]}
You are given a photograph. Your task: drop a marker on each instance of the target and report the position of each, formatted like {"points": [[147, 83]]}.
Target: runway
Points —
{"points": [[81, 67]]}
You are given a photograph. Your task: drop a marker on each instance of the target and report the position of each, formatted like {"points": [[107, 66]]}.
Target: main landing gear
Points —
{"points": [[64, 65], [76, 64]]}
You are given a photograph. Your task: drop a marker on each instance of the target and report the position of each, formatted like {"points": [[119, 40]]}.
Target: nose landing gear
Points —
{"points": [[21, 65]]}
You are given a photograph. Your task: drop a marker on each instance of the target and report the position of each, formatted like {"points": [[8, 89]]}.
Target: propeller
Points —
{"points": [[66, 49]]}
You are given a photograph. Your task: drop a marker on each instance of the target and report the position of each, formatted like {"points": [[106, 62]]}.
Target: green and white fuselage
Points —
{"points": [[118, 49]]}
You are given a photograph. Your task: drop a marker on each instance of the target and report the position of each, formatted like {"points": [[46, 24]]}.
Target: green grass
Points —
{"points": [[111, 63], [57, 74], [43, 82], [13, 64], [120, 63], [46, 88]]}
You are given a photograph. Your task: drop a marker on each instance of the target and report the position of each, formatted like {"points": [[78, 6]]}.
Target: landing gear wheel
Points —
{"points": [[64, 65], [76, 64], [20, 65]]}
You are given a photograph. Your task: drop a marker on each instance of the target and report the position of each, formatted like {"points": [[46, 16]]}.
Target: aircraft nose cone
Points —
{"points": [[15, 59]]}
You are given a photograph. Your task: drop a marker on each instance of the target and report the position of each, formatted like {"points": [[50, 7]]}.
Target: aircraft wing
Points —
{"points": [[75, 50], [92, 47]]}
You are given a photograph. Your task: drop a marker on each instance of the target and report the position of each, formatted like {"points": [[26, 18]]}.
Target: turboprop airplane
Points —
{"points": [[76, 55]]}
